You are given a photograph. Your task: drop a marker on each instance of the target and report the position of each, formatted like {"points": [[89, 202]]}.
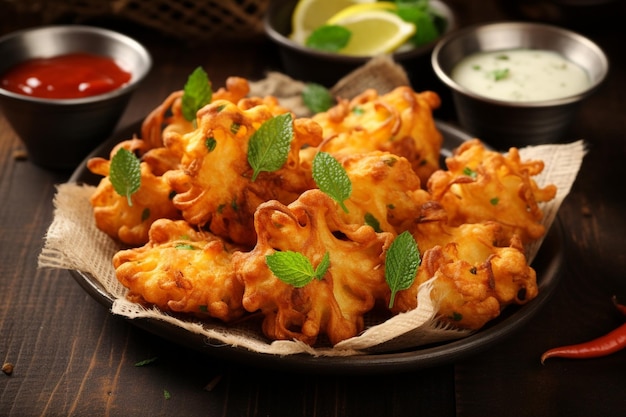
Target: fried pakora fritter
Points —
{"points": [[399, 122], [213, 184], [386, 192], [478, 272], [130, 223], [168, 116], [202, 228], [182, 270], [334, 305], [480, 184]]}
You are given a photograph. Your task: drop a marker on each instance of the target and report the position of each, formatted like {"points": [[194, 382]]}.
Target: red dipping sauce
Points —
{"points": [[68, 76]]}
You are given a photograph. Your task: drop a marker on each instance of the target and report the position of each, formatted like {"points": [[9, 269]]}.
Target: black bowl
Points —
{"points": [[325, 68]]}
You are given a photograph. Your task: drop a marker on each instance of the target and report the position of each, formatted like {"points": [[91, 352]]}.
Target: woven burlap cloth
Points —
{"points": [[73, 242]]}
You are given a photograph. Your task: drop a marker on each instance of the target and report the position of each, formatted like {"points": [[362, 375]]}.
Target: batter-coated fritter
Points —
{"points": [[214, 185], [386, 192], [399, 122], [130, 223], [478, 272], [481, 185], [168, 116], [333, 306], [182, 270]]}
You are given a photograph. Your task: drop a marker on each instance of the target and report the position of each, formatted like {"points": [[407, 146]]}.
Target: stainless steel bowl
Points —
{"points": [[59, 133], [506, 123]]}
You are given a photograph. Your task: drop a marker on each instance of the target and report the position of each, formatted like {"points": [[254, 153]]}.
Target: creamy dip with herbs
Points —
{"points": [[520, 75]]}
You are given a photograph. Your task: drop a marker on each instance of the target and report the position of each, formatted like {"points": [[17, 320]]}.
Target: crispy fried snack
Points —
{"points": [[182, 270], [477, 274], [113, 215], [333, 306], [213, 183], [386, 192], [482, 185], [168, 116], [399, 122]]}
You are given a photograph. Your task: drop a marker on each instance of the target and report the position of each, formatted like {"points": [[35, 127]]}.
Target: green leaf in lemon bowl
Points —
{"points": [[329, 38]]}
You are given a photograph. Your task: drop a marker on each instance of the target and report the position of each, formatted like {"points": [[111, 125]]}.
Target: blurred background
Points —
{"points": [[199, 21]]}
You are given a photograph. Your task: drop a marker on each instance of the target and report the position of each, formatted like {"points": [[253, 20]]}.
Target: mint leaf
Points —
{"points": [[499, 74], [196, 94], [317, 98], [329, 38], [125, 173], [401, 263], [146, 361], [373, 222], [331, 178], [269, 146], [295, 269], [321, 269], [425, 20]]}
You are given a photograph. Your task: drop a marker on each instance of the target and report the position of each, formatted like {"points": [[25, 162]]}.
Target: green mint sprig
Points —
{"points": [[329, 38], [401, 263], [317, 97], [295, 269], [125, 173], [197, 93], [499, 74], [269, 146], [331, 178]]}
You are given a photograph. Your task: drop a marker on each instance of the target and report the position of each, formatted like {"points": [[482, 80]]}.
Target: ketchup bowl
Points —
{"points": [[63, 88]]}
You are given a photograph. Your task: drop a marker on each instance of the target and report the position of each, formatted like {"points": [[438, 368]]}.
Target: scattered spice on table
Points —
{"points": [[7, 368]]}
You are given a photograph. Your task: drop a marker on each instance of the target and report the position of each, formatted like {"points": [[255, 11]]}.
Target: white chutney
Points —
{"points": [[520, 75]]}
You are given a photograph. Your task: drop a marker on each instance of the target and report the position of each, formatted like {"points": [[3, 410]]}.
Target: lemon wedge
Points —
{"points": [[360, 8], [309, 15], [374, 31]]}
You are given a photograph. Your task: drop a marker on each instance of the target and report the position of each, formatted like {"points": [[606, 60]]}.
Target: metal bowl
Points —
{"points": [[58, 133], [512, 123], [327, 68]]}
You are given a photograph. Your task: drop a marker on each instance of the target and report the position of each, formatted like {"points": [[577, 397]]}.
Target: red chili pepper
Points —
{"points": [[605, 345]]}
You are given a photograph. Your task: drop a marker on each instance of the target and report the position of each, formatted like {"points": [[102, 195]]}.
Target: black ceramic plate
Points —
{"points": [[547, 264]]}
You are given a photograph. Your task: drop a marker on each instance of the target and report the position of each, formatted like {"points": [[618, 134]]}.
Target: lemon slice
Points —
{"points": [[311, 14], [360, 8], [374, 32]]}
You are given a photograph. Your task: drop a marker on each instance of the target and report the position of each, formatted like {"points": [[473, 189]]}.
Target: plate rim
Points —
{"points": [[550, 258]]}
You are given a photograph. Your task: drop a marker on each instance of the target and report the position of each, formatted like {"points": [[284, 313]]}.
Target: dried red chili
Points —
{"points": [[605, 345]]}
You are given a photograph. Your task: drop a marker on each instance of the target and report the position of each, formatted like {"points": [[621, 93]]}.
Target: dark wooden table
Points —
{"points": [[72, 357]]}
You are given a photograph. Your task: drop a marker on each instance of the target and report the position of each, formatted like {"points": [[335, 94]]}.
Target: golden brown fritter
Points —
{"points": [[168, 116], [399, 122], [182, 270], [214, 185], [386, 191], [130, 223], [477, 274], [334, 305], [481, 185]]}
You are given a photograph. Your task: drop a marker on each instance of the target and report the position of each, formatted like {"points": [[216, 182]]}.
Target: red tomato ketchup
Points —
{"points": [[68, 76]]}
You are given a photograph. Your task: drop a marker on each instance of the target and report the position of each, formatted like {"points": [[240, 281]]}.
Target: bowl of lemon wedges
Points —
{"points": [[322, 40]]}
